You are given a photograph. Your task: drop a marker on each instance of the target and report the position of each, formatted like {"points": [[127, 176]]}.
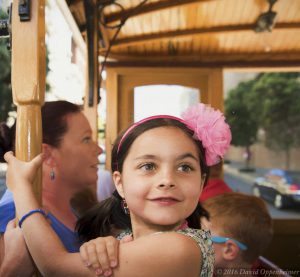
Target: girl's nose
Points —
{"points": [[166, 185], [167, 180]]}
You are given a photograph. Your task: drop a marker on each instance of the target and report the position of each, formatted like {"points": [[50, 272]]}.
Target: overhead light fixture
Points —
{"points": [[266, 21]]}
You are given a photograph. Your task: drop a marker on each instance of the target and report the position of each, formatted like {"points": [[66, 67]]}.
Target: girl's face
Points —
{"points": [[77, 155], [161, 178]]}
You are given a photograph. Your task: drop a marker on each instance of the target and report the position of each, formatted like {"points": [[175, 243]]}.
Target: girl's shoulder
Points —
{"points": [[174, 242], [166, 253], [203, 239]]}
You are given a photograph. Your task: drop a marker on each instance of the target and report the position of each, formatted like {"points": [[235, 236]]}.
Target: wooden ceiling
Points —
{"points": [[196, 32]]}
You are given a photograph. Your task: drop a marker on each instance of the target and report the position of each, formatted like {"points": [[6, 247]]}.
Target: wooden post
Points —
{"points": [[92, 77], [28, 81], [92, 89]]}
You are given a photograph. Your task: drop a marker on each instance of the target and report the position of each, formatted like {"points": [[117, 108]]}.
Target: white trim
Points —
{"points": [[72, 24]]}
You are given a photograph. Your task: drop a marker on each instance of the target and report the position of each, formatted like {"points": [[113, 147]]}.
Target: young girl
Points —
{"points": [[159, 168]]}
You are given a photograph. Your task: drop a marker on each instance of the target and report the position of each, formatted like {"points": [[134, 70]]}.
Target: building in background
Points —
{"points": [[66, 75], [163, 99], [4, 4]]}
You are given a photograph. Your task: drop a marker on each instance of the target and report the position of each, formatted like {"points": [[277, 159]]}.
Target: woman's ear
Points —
{"points": [[117, 177], [48, 154]]}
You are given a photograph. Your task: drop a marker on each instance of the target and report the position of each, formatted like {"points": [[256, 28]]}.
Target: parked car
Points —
{"points": [[279, 187]]}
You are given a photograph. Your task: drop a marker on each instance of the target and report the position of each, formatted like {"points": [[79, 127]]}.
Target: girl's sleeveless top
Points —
{"points": [[203, 239]]}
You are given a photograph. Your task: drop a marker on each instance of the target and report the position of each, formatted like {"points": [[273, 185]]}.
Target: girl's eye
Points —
{"points": [[185, 168], [148, 167]]}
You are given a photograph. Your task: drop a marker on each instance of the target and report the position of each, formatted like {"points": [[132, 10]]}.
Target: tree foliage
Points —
{"points": [[6, 103], [278, 97], [271, 102], [242, 121]]}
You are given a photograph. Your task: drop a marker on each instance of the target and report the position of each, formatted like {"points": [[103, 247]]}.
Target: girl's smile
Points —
{"points": [[165, 201]]}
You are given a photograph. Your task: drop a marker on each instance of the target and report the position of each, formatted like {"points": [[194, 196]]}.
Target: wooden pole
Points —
{"points": [[92, 77], [92, 66], [28, 80]]}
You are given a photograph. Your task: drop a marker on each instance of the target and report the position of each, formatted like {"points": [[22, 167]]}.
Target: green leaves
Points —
{"points": [[271, 102], [5, 79], [280, 98], [238, 113]]}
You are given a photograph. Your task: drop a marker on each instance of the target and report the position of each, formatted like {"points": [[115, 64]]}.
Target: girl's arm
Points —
{"points": [[16, 257], [135, 259], [1, 252], [45, 247], [163, 255]]}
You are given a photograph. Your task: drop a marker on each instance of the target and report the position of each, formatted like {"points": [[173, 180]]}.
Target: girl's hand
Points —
{"points": [[100, 255], [19, 172], [17, 258]]}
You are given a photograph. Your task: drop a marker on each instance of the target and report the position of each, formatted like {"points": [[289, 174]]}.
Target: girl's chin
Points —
{"points": [[167, 223]]}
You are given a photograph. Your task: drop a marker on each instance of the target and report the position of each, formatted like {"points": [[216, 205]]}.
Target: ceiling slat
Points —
{"points": [[200, 28], [151, 7], [197, 31]]}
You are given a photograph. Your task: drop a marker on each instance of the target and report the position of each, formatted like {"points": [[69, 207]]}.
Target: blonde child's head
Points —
{"points": [[244, 219]]}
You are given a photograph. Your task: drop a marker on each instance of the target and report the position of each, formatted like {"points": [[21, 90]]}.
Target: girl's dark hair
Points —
{"points": [[54, 125], [109, 213], [106, 218]]}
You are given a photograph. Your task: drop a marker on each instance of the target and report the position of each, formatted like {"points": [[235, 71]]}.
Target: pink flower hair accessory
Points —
{"points": [[210, 128]]}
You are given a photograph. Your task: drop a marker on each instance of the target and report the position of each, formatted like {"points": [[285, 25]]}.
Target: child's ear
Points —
{"points": [[117, 177], [48, 154], [230, 251]]}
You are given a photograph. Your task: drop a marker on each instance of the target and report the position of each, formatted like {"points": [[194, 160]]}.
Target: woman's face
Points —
{"points": [[161, 178], [77, 156]]}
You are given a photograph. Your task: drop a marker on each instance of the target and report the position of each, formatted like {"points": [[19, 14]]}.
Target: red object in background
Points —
{"points": [[213, 188]]}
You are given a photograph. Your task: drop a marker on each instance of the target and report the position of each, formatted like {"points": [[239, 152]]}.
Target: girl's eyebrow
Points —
{"points": [[146, 156], [181, 157], [187, 155]]}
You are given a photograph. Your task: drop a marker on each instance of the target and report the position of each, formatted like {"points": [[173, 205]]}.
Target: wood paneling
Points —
{"points": [[199, 28]]}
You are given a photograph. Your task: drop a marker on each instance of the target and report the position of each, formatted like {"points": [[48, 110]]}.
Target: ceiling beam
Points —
{"points": [[141, 39], [147, 8], [237, 61], [240, 64], [204, 57]]}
